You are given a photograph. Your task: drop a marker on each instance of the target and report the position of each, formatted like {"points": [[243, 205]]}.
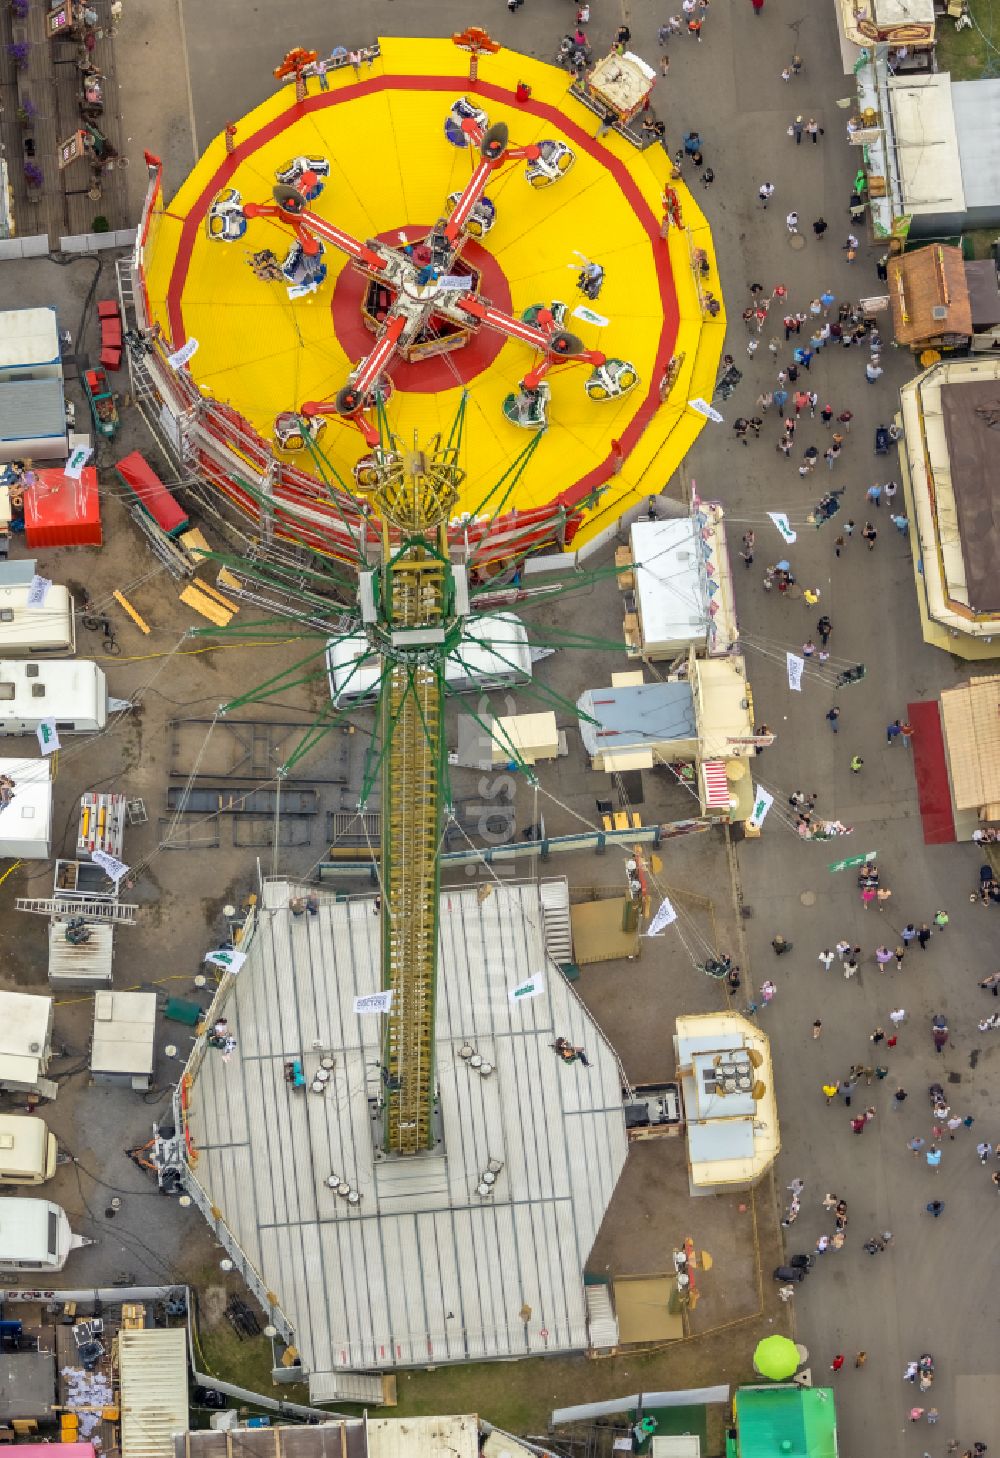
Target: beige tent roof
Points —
{"points": [[971, 716]]}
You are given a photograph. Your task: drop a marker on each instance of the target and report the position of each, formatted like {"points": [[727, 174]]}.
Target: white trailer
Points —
{"points": [[73, 692], [26, 818], [27, 1150], [35, 1235], [27, 631]]}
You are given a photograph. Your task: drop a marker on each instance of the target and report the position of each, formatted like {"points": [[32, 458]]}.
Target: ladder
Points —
{"points": [[412, 713], [115, 912], [556, 925]]}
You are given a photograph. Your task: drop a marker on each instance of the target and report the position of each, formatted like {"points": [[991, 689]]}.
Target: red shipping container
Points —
{"points": [[61, 512]]}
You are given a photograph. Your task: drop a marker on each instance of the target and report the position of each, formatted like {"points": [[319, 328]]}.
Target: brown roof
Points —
{"points": [[923, 280], [971, 717], [984, 294], [971, 414]]}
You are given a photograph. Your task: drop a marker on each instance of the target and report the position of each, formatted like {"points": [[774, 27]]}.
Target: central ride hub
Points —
{"points": [[413, 287]]}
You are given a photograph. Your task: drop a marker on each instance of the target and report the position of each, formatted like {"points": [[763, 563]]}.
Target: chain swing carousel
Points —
{"points": [[364, 307]]}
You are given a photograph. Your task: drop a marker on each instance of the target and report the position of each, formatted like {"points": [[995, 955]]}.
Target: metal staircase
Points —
{"points": [[556, 926], [115, 912], [602, 1323]]}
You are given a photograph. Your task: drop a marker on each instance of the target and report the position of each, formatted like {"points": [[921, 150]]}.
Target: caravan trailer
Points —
{"points": [[27, 1150], [26, 631], [35, 1236], [73, 692]]}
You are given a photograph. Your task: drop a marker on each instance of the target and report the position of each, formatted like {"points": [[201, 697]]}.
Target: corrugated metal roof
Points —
{"points": [[32, 410], [422, 1269], [152, 1368], [89, 961], [977, 122]]}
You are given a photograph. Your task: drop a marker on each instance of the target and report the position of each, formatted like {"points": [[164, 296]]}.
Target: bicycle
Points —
{"points": [[97, 622]]}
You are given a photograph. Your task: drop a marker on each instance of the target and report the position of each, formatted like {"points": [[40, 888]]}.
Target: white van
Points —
{"points": [[25, 631], [72, 691], [35, 1236], [27, 1150]]}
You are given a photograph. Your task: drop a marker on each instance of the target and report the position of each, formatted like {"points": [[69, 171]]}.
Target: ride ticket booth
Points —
{"points": [[617, 89]]}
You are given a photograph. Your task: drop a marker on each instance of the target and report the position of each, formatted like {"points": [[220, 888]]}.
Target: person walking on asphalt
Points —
{"points": [[941, 919], [939, 1032], [824, 628], [924, 935], [935, 1207], [870, 535], [857, 764], [832, 715], [765, 192], [758, 6], [892, 732], [795, 129], [837, 1362]]}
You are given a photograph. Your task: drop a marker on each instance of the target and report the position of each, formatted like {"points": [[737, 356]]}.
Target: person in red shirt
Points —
{"points": [[758, 6], [837, 1362]]}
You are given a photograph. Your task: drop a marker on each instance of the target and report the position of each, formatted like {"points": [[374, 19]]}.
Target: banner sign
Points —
{"points": [[590, 316], [77, 459], [795, 668], [703, 408], [48, 739], [853, 861], [533, 986], [226, 958], [38, 591], [664, 916], [761, 805], [376, 1002], [180, 357], [784, 526], [111, 865]]}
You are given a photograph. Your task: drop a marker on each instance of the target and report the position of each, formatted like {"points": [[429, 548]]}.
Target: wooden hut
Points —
{"points": [[929, 298]]}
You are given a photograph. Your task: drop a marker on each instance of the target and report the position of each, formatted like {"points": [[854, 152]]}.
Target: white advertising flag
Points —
{"points": [[111, 865], [77, 459], [782, 523], [795, 667], [180, 357], [761, 805], [664, 915], [38, 591], [48, 739], [532, 986], [590, 316], [703, 408], [375, 1002], [226, 958]]}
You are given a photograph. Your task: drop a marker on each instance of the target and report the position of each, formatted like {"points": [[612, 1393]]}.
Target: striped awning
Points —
{"points": [[715, 785]]}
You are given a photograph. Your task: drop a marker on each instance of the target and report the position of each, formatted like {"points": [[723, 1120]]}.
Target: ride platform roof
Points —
{"points": [[422, 1269]]}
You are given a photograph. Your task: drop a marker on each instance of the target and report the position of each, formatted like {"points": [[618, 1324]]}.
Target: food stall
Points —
{"points": [[929, 299]]}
